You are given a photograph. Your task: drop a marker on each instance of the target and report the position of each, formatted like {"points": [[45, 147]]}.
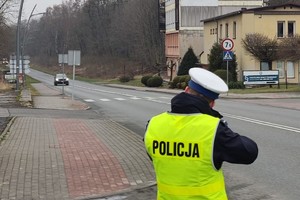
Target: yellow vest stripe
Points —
{"points": [[187, 191]]}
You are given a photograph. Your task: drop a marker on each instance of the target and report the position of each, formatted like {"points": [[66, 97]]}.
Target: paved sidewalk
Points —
{"points": [[59, 158]]}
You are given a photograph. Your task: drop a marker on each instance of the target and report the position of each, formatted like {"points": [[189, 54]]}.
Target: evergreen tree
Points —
{"points": [[215, 58], [216, 62], [189, 61]]}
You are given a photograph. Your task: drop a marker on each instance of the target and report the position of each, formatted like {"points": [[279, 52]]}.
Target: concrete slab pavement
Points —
{"points": [[65, 158]]}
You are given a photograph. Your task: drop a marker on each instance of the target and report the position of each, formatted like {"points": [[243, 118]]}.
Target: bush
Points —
{"points": [[183, 85], [222, 73], [175, 81], [180, 82], [124, 79], [186, 79], [155, 81], [145, 79], [236, 85]]}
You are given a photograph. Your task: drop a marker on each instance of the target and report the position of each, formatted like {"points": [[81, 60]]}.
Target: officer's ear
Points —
{"points": [[212, 103], [187, 89]]}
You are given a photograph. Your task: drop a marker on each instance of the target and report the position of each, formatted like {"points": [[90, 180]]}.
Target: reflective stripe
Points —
{"points": [[188, 191]]}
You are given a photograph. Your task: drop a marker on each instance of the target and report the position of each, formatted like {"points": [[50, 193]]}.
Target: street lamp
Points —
{"points": [[24, 40], [18, 44]]}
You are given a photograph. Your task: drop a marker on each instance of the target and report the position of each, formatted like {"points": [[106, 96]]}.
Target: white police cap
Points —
{"points": [[206, 83]]}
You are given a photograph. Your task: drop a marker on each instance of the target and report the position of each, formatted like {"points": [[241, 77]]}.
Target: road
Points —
{"points": [[274, 175]]}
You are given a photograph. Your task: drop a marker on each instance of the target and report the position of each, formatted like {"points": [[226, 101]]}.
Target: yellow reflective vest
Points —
{"points": [[181, 148]]}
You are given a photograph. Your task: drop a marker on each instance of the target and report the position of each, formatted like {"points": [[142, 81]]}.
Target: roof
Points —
{"points": [[260, 10]]}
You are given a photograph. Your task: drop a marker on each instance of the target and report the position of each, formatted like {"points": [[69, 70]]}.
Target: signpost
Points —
{"points": [[62, 60], [73, 59], [227, 45]]}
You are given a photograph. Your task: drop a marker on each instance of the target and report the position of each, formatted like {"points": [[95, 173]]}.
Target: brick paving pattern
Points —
{"points": [[90, 166], [47, 158]]}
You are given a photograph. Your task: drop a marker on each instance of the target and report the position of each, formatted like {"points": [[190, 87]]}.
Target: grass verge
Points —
{"points": [[29, 82]]}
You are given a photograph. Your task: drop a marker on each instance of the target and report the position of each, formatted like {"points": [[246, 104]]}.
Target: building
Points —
{"points": [[272, 21], [184, 28]]}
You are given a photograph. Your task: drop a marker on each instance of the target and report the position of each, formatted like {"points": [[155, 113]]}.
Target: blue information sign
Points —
{"points": [[227, 55]]}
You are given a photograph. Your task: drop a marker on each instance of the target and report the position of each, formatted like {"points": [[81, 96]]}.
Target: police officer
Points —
{"points": [[189, 144]]}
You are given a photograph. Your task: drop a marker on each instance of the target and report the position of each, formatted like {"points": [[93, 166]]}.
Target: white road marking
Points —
{"points": [[89, 100], [120, 99], [264, 123], [104, 99], [135, 98]]}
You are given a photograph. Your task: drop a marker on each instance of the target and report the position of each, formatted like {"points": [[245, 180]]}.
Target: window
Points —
{"points": [[280, 29], [226, 31], [221, 30], [290, 71], [264, 66], [280, 68], [291, 28], [234, 30]]}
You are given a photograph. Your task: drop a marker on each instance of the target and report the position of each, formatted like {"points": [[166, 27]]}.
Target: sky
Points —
{"points": [[41, 6]]}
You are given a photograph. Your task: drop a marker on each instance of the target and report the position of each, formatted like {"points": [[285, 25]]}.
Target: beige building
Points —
{"points": [[272, 21], [184, 28]]}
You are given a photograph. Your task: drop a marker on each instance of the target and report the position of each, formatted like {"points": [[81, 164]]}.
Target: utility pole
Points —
{"points": [[23, 45], [18, 45]]}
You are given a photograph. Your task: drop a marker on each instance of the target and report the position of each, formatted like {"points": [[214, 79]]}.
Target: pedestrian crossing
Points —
{"points": [[163, 99]]}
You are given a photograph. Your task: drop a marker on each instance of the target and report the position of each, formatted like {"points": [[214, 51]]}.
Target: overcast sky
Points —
{"points": [[41, 6]]}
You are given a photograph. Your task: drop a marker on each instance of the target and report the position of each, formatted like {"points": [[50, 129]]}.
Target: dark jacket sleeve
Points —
{"points": [[232, 147]]}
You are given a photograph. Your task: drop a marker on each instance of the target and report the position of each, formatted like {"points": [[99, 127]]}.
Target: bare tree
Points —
{"points": [[6, 32], [288, 48], [115, 33], [261, 47]]}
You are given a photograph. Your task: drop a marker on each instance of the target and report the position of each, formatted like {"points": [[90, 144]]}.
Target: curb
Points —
{"points": [[7, 128], [120, 192]]}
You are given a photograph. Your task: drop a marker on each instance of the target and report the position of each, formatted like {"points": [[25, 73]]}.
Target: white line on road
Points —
{"points": [[104, 99], [89, 100], [120, 99], [135, 98], [264, 123]]}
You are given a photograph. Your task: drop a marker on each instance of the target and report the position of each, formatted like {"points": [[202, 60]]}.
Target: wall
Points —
{"points": [[259, 22]]}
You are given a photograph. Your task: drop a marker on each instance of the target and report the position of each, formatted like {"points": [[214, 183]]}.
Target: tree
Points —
{"points": [[189, 60], [288, 48], [215, 58], [110, 35], [261, 47], [7, 34], [216, 61]]}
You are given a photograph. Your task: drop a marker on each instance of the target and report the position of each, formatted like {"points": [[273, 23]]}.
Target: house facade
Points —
{"points": [[272, 21], [185, 29]]}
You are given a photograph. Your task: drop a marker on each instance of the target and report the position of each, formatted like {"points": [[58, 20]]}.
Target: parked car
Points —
{"points": [[61, 79]]}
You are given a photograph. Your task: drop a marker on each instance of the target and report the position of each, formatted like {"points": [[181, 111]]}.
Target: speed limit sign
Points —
{"points": [[227, 44]]}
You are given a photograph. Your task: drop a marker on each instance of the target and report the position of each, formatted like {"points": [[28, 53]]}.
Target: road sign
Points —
{"points": [[26, 62], [253, 77], [227, 55], [227, 44], [74, 57], [63, 58]]}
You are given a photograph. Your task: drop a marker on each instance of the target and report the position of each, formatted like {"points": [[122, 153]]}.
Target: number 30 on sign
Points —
{"points": [[227, 44]]}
